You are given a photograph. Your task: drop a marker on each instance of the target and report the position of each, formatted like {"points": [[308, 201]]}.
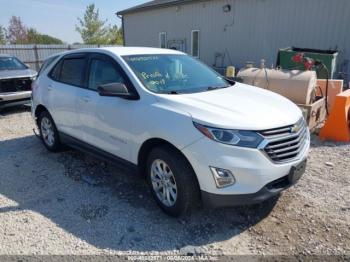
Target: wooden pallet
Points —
{"points": [[315, 113]]}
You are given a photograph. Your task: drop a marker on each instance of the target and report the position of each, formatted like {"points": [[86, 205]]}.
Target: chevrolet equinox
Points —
{"points": [[196, 136]]}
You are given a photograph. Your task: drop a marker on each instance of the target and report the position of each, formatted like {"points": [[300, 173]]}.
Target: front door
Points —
{"points": [[112, 116]]}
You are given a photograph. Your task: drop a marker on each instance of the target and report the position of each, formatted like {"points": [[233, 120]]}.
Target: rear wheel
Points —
{"points": [[173, 183], [48, 132]]}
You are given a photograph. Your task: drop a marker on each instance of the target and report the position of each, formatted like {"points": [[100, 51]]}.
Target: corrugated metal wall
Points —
{"points": [[253, 30], [34, 55]]}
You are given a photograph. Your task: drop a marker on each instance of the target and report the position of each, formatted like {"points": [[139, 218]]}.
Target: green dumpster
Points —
{"points": [[328, 57]]}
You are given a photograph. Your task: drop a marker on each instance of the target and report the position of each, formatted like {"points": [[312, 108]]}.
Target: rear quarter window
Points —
{"points": [[56, 71], [47, 63]]}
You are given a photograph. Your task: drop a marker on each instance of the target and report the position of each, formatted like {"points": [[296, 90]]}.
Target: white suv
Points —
{"points": [[196, 136]]}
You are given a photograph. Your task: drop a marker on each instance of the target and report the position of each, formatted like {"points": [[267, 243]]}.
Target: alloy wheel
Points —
{"points": [[47, 131], [163, 182]]}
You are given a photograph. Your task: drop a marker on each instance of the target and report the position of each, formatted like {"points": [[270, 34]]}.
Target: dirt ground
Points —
{"points": [[72, 203]]}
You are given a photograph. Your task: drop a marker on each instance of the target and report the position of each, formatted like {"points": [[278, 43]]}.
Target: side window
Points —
{"points": [[103, 72], [56, 71], [195, 43], [47, 63], [72, 71]]}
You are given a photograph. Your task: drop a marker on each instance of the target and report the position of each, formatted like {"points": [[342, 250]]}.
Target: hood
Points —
{"points": [[6, 74], [238, 107]]}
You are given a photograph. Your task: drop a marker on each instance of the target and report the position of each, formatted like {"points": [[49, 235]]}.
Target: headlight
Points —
{"points": [[231, 137]]}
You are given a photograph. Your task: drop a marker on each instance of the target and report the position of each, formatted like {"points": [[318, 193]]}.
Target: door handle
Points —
{"points": [[49, 88]]}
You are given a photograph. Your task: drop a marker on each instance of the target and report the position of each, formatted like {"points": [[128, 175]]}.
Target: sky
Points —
{"points": [[59, 17]]}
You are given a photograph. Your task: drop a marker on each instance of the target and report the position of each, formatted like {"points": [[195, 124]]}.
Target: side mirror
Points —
{"points": [[116, 90]]}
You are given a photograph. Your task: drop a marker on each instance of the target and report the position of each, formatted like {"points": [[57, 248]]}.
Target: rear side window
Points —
{"points": [[72, 71]]}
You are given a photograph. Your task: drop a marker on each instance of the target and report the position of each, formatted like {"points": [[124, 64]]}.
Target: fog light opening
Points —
{"points": [[222, 177]]}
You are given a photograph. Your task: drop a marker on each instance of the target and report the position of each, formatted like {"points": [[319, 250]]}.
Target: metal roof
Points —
{"points": [[152, 5]]}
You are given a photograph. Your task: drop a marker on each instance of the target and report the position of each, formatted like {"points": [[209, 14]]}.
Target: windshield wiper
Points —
{"points": [[216, 87], [173, 92]]}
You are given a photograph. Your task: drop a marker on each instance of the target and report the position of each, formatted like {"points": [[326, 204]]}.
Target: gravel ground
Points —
{"points": [[72, 203]]}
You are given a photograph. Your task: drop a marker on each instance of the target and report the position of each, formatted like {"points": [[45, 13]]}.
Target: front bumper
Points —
{"points": [[272, 189], [15, 98], [252, 169]]}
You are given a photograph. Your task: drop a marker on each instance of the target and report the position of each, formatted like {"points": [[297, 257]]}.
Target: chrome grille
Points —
{"points": [[286, 143]]}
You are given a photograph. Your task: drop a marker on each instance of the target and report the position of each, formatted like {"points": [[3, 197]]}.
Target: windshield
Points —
{"points": [[11, 63], [172, 74]]}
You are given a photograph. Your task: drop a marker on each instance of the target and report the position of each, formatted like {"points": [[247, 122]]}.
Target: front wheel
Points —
{"points": [[173, 183], [48, 132]]}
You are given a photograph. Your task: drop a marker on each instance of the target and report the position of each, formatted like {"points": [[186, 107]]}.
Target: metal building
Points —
{"points": [[232, 32]]}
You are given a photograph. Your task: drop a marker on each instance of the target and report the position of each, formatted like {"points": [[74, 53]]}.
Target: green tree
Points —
{"points": [[34, 37], [17, 31], [115, 36], [92, 29], [2, 35]]}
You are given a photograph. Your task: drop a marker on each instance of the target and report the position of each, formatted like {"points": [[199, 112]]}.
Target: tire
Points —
{"points": [[180, 174], [48, 132]]}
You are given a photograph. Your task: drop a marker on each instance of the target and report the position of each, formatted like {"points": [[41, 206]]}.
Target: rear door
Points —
{"points": [[66, 78], [87, 99]]}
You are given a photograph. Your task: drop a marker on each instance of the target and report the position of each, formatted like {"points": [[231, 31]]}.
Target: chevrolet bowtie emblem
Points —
{"points": [[295, 129]]}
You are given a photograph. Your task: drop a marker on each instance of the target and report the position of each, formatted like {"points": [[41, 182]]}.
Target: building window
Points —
{"points": [[162, 40], [195, 43]]}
